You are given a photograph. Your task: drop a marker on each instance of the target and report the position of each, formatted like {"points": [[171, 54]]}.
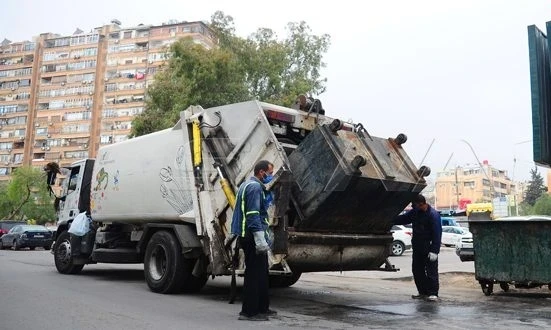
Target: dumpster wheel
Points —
{"points": [[504, 286], [487, 288]]}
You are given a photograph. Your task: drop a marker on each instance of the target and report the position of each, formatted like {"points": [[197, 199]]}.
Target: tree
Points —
{"points": [[236, 69], [535, 187], [542, 205], [26, 197]]}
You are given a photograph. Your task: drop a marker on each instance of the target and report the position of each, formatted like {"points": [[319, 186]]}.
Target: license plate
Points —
{"points": [[38, 236]]}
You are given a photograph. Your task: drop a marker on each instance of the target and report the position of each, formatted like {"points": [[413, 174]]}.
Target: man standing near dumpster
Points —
{"points": [[426, 241], [249, 224]]}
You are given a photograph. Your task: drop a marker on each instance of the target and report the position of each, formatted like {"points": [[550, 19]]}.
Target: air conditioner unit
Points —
{"points": [[37, 125], [13, 88], [116, 41], [47, 148], [77, 57], [91, 93], [87, 107], [84, 82], [48, 136], [50, 123], [7, 163], [43, 148], [21, 138], [150, 61], [106, 79], [63, 83]]}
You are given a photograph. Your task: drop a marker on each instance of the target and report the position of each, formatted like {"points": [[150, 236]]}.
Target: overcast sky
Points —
{"points": [[436, 70]]}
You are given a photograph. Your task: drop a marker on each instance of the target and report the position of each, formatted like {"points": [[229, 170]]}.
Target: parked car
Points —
{"points": [[30, 236], [6, 225], [402, 239], [464, 248], [452, 234]]}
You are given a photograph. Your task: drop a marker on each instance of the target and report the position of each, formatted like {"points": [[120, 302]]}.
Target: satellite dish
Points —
{"points": [[116, 21]]}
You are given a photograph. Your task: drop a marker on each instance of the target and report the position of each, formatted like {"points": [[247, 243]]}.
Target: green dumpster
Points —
{"points": [[512, 250]]}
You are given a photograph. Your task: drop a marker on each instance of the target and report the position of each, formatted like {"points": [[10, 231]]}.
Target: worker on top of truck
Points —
{"points": [[426, 241], [250, 224]]}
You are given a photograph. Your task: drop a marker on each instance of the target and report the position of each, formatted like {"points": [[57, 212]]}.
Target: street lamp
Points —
{"points": [[481, 167]]}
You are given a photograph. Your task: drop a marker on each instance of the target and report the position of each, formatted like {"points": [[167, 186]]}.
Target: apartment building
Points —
{"points": [[474, 183], [62, 97]]}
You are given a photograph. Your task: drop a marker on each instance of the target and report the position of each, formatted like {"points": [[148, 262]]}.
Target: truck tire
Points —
{"points": [[284, 281], [166, 269], [62, 255]]}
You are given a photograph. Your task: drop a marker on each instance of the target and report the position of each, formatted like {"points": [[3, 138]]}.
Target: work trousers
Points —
{"points": [[255, 287], [425, 272]]}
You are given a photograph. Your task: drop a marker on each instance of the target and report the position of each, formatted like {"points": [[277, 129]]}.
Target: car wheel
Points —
{"points": [[62, 255], [46, 247], [1, 245], [447, 245], [398, 248], [16, 245], [32, 248]]}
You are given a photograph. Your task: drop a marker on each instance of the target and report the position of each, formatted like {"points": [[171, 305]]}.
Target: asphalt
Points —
{"points": [[33, 295]]}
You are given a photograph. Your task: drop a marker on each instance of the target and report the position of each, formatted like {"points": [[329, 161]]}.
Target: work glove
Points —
{"points": [[433, 256], [260, 243]]}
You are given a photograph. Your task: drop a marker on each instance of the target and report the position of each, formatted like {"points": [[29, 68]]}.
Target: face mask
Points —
{"points": [[267, 178]]}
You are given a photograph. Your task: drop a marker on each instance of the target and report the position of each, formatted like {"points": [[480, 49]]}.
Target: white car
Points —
{"points": [[453, 234], [464, 248], [402, 239]]}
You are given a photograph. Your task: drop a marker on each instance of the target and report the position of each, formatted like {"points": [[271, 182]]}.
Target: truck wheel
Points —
{"points": [[284, 281], [190, 282], [398, 248], [164, 266], [16, 246], [62, 255]]}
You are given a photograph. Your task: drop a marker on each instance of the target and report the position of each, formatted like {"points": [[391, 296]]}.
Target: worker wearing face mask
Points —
{"points": [[250, 224]]}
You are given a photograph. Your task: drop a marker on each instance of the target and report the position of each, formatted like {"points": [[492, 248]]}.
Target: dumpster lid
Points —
{"points": [[525, 218]]}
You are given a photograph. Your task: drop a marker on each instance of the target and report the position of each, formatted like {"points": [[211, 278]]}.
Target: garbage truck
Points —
{"points": [[166, 199]]}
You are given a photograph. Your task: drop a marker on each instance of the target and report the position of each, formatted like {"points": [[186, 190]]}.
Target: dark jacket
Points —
{"points": [[250, 212], [427, 227]]}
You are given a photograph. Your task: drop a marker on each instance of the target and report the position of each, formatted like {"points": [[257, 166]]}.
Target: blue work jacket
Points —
{"points": [[427, 227], [250, 211]]}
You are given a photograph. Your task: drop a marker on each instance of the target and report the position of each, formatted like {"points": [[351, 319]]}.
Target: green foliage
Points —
{"points": [[237, 69], [26, 197], [535, 187], [542, 206]]}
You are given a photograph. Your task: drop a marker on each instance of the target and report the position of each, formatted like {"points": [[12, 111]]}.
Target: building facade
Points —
{"points": [[475, 184], [62, 97]]}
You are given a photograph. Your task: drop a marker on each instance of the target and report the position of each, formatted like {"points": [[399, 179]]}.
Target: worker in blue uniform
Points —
{"points": [[250, 225], [426, 241]]}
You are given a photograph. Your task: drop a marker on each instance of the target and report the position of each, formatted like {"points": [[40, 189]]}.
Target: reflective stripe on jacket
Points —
{"points": [[250, 212]]}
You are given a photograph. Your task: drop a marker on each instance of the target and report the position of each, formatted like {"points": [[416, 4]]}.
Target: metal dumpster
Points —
{"points": [[513, 250]]}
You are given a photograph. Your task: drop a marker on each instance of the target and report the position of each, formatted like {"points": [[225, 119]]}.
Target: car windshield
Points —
{"points": [[9, 225], [34, 228]]}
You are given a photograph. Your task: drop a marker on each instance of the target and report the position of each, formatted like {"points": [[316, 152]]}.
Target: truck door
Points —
{"points": [[71, 191]]}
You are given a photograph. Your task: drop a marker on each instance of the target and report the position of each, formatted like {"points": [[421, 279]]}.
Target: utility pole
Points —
{"points": [[456, 189]]}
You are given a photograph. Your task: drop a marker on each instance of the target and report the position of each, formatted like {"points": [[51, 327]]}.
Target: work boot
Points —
{"points": [[269, 312], [257, 317], [418, 296]]}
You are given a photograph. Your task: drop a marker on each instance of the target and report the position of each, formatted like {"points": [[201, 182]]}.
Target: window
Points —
{"points": [[485, 182], [469, 184], [73, 179], [127, 35]]}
